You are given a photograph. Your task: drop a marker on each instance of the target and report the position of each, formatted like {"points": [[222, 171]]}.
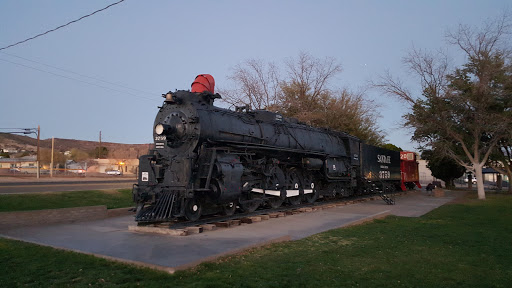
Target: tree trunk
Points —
{"points": [[499, 182], [479, 181], [450, 184]]}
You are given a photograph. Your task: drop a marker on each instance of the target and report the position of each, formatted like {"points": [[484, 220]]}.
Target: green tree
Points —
{"points": [[442, 167], [390, 146], [4, 154], [465, 113]]}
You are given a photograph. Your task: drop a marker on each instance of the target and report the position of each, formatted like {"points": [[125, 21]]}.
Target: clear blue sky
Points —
{"points": [[152, 47]]}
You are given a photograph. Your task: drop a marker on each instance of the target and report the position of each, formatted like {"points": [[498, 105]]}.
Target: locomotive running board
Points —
{"points": [[160, 211]]}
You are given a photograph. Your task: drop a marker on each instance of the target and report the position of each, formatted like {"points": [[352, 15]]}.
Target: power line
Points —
{"points": [[74, 79], [79, 74], [61, 26]]}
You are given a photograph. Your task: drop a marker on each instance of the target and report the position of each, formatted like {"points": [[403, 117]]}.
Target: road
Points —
{"points": [[22, 188]]}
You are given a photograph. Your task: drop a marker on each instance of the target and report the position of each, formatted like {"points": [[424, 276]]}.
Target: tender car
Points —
{"points": [[113, 172]]}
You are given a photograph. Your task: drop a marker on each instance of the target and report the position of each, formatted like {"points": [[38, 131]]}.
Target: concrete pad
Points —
{"points": [[111, 238]]}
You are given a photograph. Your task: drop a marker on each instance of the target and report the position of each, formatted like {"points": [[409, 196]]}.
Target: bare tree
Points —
{"points": [[306, 93], [307, 88], [311, 76], [257, 85], [465, 113]]}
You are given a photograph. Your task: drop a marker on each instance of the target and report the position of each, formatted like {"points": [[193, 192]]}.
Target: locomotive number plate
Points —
{"points": [[145, 176]]}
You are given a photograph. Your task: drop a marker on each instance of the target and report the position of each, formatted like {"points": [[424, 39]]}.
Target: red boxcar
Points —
{"points": [[409, 171]]}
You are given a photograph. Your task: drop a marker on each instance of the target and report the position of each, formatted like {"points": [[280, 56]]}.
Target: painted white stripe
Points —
{"points": [[291, 193], [307, 191], [268, 192]]}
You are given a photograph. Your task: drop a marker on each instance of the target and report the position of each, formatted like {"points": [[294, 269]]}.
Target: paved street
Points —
{"points": [[77, 185]]}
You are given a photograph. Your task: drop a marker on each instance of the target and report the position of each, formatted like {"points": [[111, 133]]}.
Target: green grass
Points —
{"points": [[22, 202], [460, 245]]}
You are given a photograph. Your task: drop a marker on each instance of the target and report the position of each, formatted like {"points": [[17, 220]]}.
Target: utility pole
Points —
{"points": [[51, 165], [27, 131], [38, 133], [99, 149]]}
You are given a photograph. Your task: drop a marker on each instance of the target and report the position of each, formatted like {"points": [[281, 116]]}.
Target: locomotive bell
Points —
{"points": [[169, 97]]}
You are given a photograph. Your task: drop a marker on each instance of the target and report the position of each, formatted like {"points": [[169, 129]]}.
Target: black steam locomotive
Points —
{"points": [[211, 160]]}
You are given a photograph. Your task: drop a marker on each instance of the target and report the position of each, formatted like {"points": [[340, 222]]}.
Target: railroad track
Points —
{"points": [[184, 228]]}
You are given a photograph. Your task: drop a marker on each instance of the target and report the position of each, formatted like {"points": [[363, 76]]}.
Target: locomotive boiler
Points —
{"points": [[209, 160]]}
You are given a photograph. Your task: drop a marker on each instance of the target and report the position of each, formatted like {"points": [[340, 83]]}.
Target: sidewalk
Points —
{"points": [[111, 239]]}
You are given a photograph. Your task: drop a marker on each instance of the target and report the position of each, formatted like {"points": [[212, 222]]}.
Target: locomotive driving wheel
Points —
{"points": [[249, 206], [192, 209], [309, 184], [275, 182], [293, 183], [229, 208]]}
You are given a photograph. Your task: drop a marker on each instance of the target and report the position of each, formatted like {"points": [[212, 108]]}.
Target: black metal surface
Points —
{"points": [[160, 211], [379, 164], [218, 156]]}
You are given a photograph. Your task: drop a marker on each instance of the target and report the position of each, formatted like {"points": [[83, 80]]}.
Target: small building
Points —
{"points": [[126, 166], [26, 164]]}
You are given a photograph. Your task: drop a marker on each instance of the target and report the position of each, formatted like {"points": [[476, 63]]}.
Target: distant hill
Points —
{"points": [[116, 150]]}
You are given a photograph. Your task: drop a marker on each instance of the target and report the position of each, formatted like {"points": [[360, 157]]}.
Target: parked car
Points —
{"points": [[77, 171], [14, 169], [113, 172]]}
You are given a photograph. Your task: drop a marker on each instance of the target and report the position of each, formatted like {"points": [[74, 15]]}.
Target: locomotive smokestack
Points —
{"points": [[202, 83]]}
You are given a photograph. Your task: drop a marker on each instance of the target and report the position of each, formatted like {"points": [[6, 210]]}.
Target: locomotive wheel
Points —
{"points": [[192, 209], [229, 208], [274, 201], [249, 206], [293, 182], [295, 200], [310, 197], [275, 182]]}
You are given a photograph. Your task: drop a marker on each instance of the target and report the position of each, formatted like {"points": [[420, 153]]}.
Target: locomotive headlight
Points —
{"points": [[159, 129]]}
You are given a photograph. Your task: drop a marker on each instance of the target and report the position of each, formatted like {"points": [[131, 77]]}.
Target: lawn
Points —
{"points": [[36, 201], [458, 245]]}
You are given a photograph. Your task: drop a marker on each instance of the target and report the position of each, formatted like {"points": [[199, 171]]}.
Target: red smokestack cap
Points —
{"points": [[203, 82]]}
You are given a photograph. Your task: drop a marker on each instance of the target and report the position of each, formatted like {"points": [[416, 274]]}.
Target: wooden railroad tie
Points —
{"points": [[208, 227]]}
